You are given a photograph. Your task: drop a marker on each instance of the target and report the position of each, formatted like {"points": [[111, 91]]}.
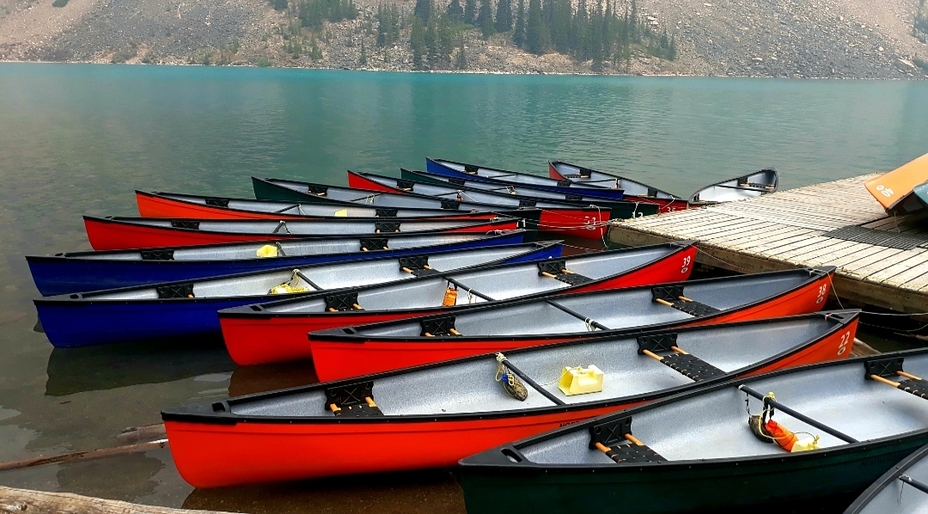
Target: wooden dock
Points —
{"points": [[882, 260]]}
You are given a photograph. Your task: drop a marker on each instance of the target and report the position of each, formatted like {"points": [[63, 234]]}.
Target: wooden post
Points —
{"points": [[19, 501]]}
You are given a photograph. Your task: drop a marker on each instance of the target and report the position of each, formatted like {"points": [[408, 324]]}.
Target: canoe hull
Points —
{"points": [[274, 451], [763, 485], [60, 275], [664, 205], [283, 337], [335, 359], [105, 234]]}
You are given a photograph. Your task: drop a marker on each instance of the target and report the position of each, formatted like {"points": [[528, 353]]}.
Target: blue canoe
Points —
{"points": [[65, 273], [453, 169], [188, 309]]}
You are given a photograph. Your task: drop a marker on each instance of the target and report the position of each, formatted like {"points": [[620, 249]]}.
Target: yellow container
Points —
{"points": [[580, 380], [267, 251]]}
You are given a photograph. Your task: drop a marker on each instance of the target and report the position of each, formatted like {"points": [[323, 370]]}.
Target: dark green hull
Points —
{"points": [[617, 210], [268, 191], [826, 481]]}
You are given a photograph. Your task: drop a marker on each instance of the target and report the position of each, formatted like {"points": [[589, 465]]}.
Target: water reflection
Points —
{"points": [[268, 377], [94, 368], [428, 491]]}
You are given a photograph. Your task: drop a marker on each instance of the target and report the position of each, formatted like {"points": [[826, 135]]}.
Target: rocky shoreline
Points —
{"points": [[839, 39]]}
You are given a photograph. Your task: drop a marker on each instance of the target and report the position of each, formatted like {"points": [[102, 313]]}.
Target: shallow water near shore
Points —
{"points": [[78, 139]]}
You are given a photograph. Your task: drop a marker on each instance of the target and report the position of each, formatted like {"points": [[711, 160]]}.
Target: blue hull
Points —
{"points": [[70, 323], [435, 168], [54, 275]]}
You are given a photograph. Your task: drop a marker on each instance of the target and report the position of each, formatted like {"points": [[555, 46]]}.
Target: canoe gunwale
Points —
{"points": [[226, 418], [682, 246], [670, 196], [342, 335], [492, 459], [887, 478]]}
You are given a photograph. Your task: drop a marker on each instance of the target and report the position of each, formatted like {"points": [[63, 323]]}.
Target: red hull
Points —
{"points": [[261, 339], [104, 235], [334, 360], [216, 455], [151, 206], [582, 222], [663, 205]]}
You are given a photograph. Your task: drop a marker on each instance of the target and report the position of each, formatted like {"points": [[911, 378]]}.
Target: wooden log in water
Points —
{"points": [[19, 501]]}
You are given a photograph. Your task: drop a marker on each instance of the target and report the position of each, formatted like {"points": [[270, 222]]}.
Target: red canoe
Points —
{"points": [[176, 205], [352, 351], [112, 233], [276, 331], [434, 415], [584, 221]]}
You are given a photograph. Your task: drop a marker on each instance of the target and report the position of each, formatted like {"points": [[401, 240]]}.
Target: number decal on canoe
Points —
{"points": [[822, 293], [842, 346], [686, 264], [886, 191]]}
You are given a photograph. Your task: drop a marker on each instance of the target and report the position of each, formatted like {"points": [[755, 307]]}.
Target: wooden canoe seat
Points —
{"points": [[672, 296], [676, 358], [373, 243], [880, 369], [339, 302], [417, 265], [557, 269], [353, 400], [440, 326], [615, 439], [175, 291]]}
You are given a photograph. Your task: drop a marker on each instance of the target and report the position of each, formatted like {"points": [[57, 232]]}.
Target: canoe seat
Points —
{"points": [[193, 225], [450, 205], [672, 296], [175, 291], [157, 255], [691, 366], [917, 387], [615, 439], [386, 226], [557, 269], [676, 358], [339, 302], [418, 265], [353, 400], [217, 202], [373, 243], [383, 212], [881, 369], [435, 327], [405, 185], [317, 190]]}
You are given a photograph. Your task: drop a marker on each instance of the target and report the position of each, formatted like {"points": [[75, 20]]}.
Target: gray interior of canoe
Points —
{"points": [[502, 175], [731, 190], [307, 209], [613, 309], [897, 497], [714, 425], [289, 248], [326, 276], [600, 179], [372, 199], [499, 283], [472, 387], [307, 227]]}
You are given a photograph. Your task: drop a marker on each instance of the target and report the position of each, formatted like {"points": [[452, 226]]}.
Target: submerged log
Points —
{"points": [[21, 501]]}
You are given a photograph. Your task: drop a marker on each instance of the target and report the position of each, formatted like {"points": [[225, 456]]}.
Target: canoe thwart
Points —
{"points": [[373, 243], [916, 387], [921, 486], [441, 326], [770, 402], [355, 400], [608, 437], [175, 291], [346, 301], [157, 255]]}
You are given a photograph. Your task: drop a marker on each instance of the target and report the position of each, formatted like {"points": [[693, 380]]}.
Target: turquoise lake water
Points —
{"points": [[78, 139]]}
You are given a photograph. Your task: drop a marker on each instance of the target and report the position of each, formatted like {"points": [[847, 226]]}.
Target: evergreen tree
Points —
{"points": [[483, 13], [362, 60], [633, 33], [417, 43], [504, 16], [455, 12], [279, 5], [423, 10], [518, 34], [388, 26], [536, 38], [470, 11], [461, 61]]}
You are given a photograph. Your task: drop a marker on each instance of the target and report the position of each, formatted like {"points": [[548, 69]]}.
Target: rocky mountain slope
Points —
{"points": [[766, 38]]}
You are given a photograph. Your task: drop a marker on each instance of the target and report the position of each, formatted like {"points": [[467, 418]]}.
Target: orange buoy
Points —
{"points": [[781, 435]]}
